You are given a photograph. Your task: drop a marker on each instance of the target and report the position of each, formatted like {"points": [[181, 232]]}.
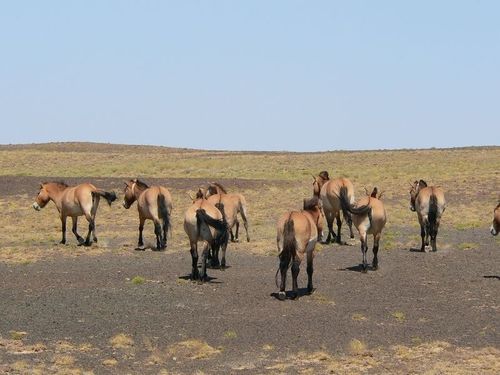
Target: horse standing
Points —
{"points": [[328, 191], [495, 225], [153, 203], [429, 203], [369, 217], [234, 204], [297, 234], [73, 201], [204, 222]]}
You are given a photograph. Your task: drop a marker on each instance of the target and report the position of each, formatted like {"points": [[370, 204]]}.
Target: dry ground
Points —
{"points": [[109, 308]]}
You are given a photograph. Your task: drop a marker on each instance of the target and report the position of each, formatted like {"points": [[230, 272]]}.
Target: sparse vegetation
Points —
{"points": [[138, 280]]}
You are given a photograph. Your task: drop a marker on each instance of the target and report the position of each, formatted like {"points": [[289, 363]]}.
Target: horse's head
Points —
{"points": [[128, 194], [211, 190], [42, 198], [495, 226], [314, 207], [415, 189], [319, 181]]}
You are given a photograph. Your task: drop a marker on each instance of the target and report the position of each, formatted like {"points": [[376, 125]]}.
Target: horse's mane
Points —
{"points": [[60, 184], [141, 184], [310, 203], [422, 184], [324, 175], [220, 187]]}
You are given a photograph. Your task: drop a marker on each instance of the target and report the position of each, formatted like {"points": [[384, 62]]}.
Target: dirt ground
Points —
{"points": [[108, 310]]}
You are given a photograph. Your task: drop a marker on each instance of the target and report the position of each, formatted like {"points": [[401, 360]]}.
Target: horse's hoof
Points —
{"points": [[87, 244], [294, 295], [140, 248], [375, 267], [248, 239], [62, 242], [310, 290], [95, 239], [364, 268], [281, 296], [235, 240]]}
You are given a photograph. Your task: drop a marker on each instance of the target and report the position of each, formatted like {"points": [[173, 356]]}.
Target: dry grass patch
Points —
{"points": [[192, 349], [121, 341], [359, 317], [399, 316], [109, 362]]}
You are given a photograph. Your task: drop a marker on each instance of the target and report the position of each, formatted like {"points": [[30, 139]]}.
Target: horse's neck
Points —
{"points": [[56, 197], [138, 191]]}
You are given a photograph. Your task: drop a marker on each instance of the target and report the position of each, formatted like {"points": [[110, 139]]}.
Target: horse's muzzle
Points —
{"points": [[412, 208], [124, 204], [493, 231], [36, 206]]}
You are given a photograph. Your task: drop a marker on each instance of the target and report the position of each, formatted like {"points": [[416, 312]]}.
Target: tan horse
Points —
{"points": [[153, 203], [297, 234], [429, 203], [234, 204], [73, 201], [369, 217], [204, 222], [495, 226], [328, 191]]}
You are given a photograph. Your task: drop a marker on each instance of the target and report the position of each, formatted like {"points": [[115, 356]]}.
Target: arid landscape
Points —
{"points": [[110, 309]]}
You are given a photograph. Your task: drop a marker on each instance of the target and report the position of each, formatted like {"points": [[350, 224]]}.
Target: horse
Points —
{"points": [[495, 225], [205, 222], [73, 201], [328, 191], [153, 203], [297, 234], [234, 204], [369, 217], [429, 203]]}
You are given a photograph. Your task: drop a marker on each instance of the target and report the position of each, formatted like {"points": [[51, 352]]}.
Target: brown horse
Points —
{"points": [[153, 203], [495, 225], [429, 203], [328, 191], [73, 201], [204, 222], [369, 217], [297, 234], [234, 204]]}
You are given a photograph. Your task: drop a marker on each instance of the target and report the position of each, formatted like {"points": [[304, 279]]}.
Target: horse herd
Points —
{"points": [[212, 219]]}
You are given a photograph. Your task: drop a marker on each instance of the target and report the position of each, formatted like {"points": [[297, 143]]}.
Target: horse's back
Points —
{"points": [[77, 200], [190, 219], [330, 193], [423, 201]]}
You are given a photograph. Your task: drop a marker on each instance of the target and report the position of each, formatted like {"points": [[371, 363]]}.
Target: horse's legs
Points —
{"points": [[236, 232], [245, 224], [91, 229], [310, 270], [363, 236], [433, 233], [223, 256], [204, 254], [74, 230], [376, 240], [295, 275], [339, 226], [422, 234], [63, 229], [140, 242], [93, 212], [331, 233], [349, 223], [159, 241], [284, 261], [164, 226], [195, 275]]}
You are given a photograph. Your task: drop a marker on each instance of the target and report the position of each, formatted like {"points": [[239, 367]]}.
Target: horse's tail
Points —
{"points": [[289, 250], [110, 196], [220, 226], [163, 212], [347, 207], [432, 214]]}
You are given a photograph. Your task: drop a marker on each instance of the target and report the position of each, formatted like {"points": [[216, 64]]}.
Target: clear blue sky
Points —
{"points": [[251, 75]]}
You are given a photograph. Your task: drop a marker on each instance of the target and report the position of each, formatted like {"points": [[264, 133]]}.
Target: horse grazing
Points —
{"points": [[429, 203], [297, 234], [204, 222], [495, 226], [73, 201], [369, 217], [328, 191], [153, 203], [234, 204]]}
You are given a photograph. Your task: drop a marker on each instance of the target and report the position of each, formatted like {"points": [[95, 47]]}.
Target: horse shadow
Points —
{"points": [[357, 268], [491, 277], [209, 279], [289, 294]]}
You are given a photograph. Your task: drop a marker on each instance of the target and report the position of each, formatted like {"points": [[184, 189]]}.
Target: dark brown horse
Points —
{"points": [[369, 217], [495, 225], [73, 201], [297, 234], [429, 203], [153, 203]]}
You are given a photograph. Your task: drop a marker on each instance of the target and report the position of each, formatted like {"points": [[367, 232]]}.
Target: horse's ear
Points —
{"points": [[422, 183]]}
